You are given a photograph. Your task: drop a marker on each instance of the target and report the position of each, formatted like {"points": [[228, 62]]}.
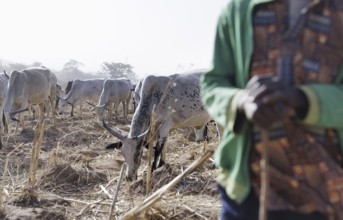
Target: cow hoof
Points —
{"points": [[160, 164]]}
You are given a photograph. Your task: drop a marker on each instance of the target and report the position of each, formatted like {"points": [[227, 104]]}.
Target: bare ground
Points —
{"points": [[77, 176]]}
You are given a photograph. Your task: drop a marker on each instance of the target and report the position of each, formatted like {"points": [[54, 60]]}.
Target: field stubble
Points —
{"points": [[77, 176]]}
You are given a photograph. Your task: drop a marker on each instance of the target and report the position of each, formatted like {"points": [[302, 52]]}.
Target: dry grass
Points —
{"points": [[77, 177]]}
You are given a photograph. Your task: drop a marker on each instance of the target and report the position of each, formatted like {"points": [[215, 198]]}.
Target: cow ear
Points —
{"points": [[116, 145]]}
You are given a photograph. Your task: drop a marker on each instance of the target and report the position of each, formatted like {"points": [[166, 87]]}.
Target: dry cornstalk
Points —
{"points": [[264, 177], [194, 212], [149, 172], [88, 207], [123, 168], [153, 198], [4, 173], [35, 154]]}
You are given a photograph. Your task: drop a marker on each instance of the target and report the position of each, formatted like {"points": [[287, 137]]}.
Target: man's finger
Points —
{"points": [[273, 98]]}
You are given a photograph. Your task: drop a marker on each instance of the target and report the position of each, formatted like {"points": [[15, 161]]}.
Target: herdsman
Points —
{"points": [[277, 65]]}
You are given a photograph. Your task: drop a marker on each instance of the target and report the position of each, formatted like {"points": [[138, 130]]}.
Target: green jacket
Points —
{"points": [[221, 87]]}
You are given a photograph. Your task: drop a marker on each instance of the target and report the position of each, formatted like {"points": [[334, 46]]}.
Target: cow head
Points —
{"points": [[61, 103], [131, 149]]}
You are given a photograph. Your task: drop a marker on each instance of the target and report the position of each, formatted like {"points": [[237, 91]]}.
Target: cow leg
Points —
{"points": [[72, 111], [41, 114], [53, 108], [201, 134], [124, 111], [109, 111], [21, 122], [116, 111], [111, 107], [32, 112], [158, 150], [5, 123], [2, 129], [134, 104], [81, 107]]}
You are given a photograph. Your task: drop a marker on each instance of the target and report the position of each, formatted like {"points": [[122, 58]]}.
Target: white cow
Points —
{"points": [[178, 105], [3, 90], [82, 90], [115, 91], [31, 86]]}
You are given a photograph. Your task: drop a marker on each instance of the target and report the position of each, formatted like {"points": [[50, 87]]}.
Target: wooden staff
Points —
{"points": [[263, 212]]}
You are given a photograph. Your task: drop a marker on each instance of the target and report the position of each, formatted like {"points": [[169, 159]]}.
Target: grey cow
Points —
{"points": [[82, 90], [115, 91], [178, 105], [31, 86]]}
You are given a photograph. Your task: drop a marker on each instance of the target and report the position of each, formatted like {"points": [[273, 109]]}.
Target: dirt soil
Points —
{"points": [[77, 177]]}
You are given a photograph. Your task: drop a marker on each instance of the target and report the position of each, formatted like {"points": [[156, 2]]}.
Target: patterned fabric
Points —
{"points": [[305, 163]]}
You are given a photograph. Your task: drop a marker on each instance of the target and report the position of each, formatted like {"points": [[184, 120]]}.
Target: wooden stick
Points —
{"points": [[263, 212], [123, 168], [151, 141], [194, 212], [35, 154], [149, 172], [153, 198]]}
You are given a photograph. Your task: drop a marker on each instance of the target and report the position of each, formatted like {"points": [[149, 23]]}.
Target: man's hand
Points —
{"points": [[263, 115], [268, 100]]}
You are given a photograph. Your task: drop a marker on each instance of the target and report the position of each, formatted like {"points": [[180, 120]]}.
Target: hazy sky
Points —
{"points": [[155, 36]]}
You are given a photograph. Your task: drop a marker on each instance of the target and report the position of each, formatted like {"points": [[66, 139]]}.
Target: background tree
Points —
{"points": [[72, 66], [16, 66], [117, 70], [71, 71], [19, 66]]}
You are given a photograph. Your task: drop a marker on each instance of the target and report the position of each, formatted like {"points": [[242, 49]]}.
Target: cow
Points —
{"points": [[67, 89], [3, 90], [82, 90], [114, 91], [31, 86], [178, 105]]}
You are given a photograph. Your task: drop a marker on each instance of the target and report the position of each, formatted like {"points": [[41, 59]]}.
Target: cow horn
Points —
{"points": [[7, 76], [64, 99], [143, 134], [89, 103], [113, 132], [100, 106], [12, 113], [14, 119]]}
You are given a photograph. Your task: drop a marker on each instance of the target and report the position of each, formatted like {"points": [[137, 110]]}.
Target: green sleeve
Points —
{"points": [[325, 105], [217, 85]]}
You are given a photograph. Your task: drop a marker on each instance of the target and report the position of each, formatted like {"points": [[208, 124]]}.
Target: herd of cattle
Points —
{"points": [[172, 101]]}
